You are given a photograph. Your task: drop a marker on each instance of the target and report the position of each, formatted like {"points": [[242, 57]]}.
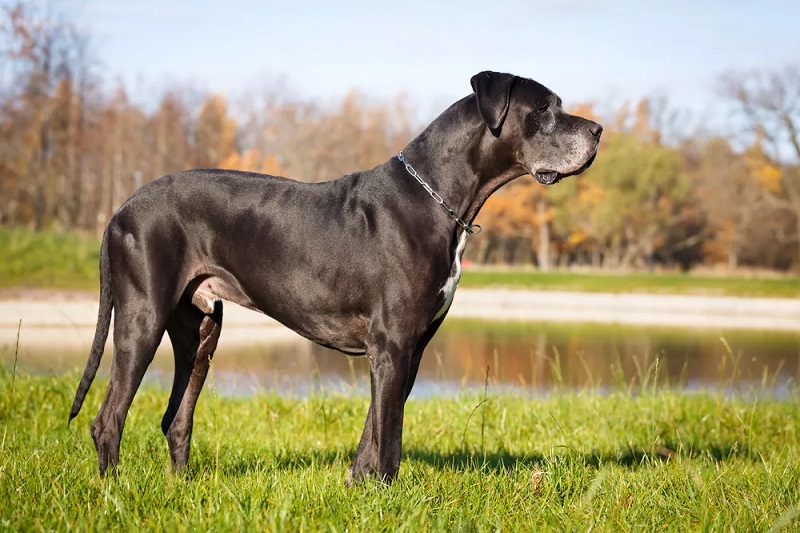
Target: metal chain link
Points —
{"points": [[472, 229]]}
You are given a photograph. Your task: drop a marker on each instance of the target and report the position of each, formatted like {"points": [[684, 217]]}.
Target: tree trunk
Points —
{"points": [[733, 252], [543, 253]]}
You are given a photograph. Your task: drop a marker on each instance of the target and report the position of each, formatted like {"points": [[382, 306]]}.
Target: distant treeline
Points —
{"points": [[73, 147]]}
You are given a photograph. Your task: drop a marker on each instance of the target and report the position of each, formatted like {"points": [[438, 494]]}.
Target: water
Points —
{"points": [[523, 356]]}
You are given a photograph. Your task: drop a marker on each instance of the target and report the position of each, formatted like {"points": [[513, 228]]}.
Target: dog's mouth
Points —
{"points": [[588, 162], [547, 177], [551, 177]]}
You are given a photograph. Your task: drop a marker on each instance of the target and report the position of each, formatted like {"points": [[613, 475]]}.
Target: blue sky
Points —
{"points": [[604, 51]]}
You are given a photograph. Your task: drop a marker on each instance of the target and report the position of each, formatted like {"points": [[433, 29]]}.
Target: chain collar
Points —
{"points": [[472, 229]]}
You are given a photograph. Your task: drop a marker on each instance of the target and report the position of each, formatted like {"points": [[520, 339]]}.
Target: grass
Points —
{"points": [[624, 459], [69, 261], [646, 459], [783, 287], [48, 260]]}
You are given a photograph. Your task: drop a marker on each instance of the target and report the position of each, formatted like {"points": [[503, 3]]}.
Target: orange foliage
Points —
{"points": [[512, 210], [767, 174], [253, 161]]}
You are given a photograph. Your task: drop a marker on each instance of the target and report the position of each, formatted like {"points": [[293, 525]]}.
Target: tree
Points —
{"points": [[168, 135], [43, 115], [519, 212], [768, 102], [121, 154], [214, 133], [727, 185], [629, 207], [311, 143]]}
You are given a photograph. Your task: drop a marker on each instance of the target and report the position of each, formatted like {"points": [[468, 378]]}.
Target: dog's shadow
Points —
{"points": [[465, 460], [629, 457], [497, 461]]}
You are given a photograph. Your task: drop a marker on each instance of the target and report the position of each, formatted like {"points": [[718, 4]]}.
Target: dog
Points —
{"points": [[366, 264]]}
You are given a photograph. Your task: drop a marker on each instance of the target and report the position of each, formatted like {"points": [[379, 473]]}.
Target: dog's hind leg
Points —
{"points": [[137, 332], [194, 337], [184, 333]]}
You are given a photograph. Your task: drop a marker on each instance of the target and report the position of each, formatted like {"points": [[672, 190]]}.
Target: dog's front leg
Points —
{"points": [[379, 451]]}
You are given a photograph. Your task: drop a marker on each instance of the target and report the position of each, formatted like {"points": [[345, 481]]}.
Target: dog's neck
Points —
{"points": [[463, 169]]}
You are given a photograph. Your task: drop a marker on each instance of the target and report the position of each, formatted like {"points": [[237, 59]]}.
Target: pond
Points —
{"points": [[522, 356]]}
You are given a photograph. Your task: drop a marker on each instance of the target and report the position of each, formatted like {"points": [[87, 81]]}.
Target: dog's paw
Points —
{"points": [[356, 476]]}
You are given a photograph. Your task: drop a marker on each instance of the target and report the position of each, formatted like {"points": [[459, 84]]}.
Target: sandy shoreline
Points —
{"points": [[69, 317]]}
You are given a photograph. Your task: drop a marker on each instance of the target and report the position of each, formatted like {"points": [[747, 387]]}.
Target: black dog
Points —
{"points": [[366, 264]]}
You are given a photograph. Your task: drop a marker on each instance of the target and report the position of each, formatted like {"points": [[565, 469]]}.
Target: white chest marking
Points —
{"points": [[451, 284]]}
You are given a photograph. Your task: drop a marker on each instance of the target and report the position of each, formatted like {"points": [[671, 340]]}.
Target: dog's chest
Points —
{"points": [[450, 286]]}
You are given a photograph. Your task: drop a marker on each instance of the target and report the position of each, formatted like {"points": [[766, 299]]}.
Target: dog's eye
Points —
{"points": [[544, 106]]}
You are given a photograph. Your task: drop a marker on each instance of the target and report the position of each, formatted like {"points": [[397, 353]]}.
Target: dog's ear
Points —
{"points": [[493, 91]]}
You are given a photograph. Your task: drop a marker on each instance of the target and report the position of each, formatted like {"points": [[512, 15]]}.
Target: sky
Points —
{"points": [[604, 51]]}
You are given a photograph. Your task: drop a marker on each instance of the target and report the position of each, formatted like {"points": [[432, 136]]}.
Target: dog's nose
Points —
{"points": [[595, 128]]}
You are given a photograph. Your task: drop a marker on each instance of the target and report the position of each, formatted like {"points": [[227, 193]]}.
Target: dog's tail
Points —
{"points": [[100, 334]]}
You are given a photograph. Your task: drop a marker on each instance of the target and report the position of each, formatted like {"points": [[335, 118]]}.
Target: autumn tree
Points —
{"points": [[730, 195], [312, 143], [214, 133], [73, 148], [43, 115], [518, 214], [768, 102], [168, 135]]}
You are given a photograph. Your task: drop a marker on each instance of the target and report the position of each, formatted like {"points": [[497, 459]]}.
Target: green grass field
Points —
{"points": [[69, 261], [784, 287], [48, 260], [620, 461]]}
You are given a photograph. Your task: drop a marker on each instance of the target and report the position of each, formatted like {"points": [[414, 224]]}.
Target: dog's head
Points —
{"points": [[527, 118]]}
